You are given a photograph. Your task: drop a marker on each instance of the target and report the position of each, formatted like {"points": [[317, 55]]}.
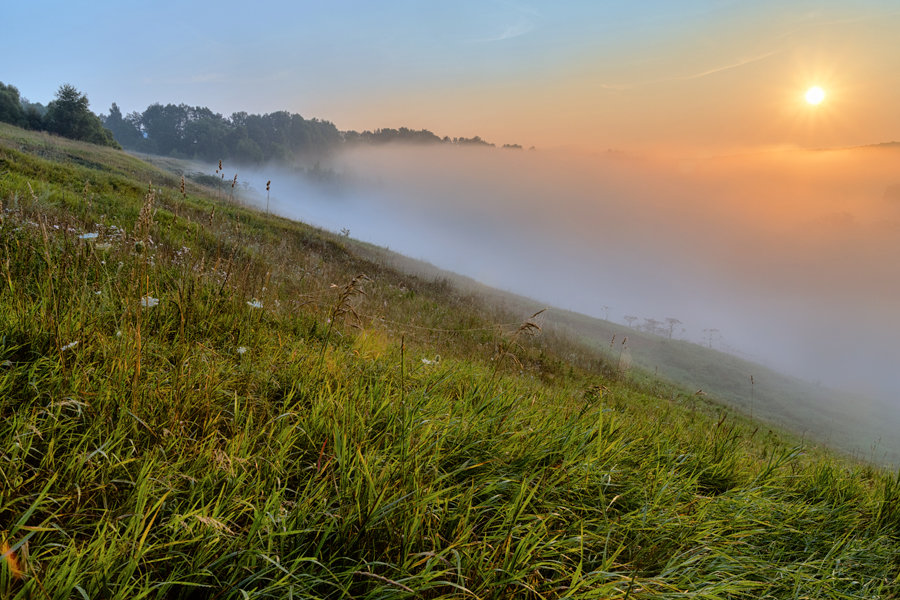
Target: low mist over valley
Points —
{"points": [[787, 254]]}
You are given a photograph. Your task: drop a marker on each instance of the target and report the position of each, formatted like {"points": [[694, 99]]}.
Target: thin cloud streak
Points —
{"points": [[525, 23], [519, 29], [618, 87], [728, 67]]}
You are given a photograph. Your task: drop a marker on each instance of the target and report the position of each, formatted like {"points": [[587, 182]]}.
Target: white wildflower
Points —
{"points": [[242, 349], [425, 361], [149, 301], [254, 303], [69, 346], [88, 236]]}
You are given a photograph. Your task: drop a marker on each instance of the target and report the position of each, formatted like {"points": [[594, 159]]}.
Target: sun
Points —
{"points": [[815, 95]]}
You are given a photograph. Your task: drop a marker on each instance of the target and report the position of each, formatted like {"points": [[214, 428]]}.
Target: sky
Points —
{"points": [[698, 75]]}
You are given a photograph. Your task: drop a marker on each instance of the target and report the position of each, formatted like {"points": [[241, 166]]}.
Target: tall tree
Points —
{"points": [[124, 130], [69, 116], [672, 322], [11, 110]]}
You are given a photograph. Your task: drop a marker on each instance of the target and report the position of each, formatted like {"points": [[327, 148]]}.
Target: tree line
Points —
{"points": [[67, 115], [197, 132]]}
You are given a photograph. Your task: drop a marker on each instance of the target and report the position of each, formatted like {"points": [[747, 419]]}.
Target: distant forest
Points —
{"points": [[199, 133], [196, 132]]}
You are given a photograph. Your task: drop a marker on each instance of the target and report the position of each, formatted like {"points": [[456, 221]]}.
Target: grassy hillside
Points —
{"points": [[857, 425], [854, 424], [201, 401]]}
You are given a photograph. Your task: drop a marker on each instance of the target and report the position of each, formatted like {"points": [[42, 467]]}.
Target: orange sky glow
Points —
{"points": [[722, 85], [693, 75]]}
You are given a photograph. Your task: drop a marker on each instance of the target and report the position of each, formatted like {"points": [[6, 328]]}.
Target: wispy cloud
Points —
{"points": [[618, 87], [522, 27], [727, 67], [523, 21]]}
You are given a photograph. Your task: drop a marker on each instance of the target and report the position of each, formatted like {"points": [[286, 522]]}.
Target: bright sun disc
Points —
{"points": [[815, 95]]}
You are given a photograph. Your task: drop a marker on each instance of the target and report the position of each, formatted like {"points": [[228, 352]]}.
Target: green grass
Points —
{"points": [[233, 442], [858, 425]]}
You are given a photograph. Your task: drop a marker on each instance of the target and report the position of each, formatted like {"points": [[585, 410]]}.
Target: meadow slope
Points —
{"points": [[199, 400]]}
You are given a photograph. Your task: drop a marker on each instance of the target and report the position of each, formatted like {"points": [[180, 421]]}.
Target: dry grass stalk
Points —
{"points": [[31, 191], [142, 233], [145, 218], [215, 524], [342, 308], [529, 327], [87, 196], [624, 362]]}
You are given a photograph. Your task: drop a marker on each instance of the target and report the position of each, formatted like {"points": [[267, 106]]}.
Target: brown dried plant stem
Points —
{"points": [[54, 296], [403, 412], [142, 240], [528, 327], [341, 309], [403, 370]]}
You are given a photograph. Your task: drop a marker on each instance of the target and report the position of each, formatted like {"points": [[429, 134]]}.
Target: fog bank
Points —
{"points": [[789, 254]]}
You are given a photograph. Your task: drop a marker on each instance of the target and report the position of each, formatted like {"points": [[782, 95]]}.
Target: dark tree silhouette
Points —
{"points": [[69, 116], [672, 322], [11, 110]]}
